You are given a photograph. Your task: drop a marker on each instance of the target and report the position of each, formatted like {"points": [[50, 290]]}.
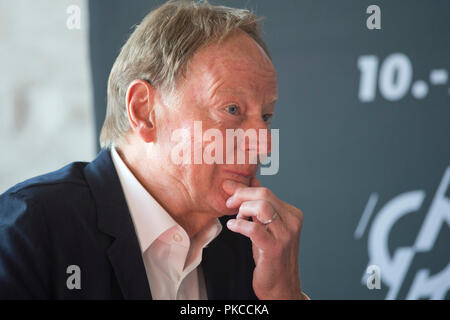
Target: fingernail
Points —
{"points": [[230, 201], [231, 223]]}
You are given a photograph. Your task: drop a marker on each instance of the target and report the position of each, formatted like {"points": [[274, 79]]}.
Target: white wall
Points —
{"points": [[46, 112]]}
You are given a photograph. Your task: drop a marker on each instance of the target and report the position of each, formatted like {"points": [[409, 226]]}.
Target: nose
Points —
{"points": [[258, 144]]}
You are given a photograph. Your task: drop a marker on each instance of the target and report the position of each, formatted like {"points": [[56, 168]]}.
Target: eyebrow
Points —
{"points": [[238, 92]]}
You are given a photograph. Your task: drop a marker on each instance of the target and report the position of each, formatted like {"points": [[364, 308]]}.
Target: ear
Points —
{"points": [[140, 101]]}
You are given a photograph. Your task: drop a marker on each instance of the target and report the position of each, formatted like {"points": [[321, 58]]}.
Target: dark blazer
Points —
{"points": [[78, 216]]}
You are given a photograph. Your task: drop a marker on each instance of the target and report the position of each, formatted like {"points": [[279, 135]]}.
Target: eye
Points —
{"points": [[232, 109], [267, 117]]}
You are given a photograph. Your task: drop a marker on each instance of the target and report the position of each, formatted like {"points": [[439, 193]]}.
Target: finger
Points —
{"points": [[230, 186], [256, 232], [258, 210], [261, 212], [245, 193]]}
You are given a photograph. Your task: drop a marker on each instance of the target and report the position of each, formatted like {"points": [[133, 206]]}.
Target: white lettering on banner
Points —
{"points": [[393, 76], [395, 268]]}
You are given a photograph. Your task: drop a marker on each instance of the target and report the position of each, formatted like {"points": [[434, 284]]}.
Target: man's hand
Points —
{"points": [[275, 245]]}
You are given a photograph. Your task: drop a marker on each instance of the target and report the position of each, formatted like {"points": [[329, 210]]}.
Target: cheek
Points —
{"points": [[198, 173], [202, 140], [175, 142], [206, 183], [205, 176]]}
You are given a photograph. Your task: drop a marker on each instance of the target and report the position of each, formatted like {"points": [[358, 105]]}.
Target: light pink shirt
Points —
{"points": [[171, 259]]}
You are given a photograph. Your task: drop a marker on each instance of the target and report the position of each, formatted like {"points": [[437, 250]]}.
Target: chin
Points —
{"points": [[229, 212], [219, 206]]}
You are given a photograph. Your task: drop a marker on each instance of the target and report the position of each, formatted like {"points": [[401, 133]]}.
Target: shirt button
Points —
{"points": [[177, 237]]}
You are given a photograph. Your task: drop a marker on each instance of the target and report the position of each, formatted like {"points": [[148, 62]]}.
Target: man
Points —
{"points": [[136, 224]]}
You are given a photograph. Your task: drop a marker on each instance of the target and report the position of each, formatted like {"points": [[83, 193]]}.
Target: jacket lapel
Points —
{"points": [[114, 219]]}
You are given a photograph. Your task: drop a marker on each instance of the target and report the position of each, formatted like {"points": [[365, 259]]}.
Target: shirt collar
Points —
{"points": [[150, 219]]}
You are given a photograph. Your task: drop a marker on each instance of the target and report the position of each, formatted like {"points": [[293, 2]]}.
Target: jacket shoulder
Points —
{"points": [[50, 192]]}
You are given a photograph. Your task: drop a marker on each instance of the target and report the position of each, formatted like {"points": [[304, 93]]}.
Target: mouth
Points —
{"points": [[242, 177]]}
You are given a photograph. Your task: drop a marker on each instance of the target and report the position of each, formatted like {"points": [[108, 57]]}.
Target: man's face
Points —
{"points": [[228, 86]]}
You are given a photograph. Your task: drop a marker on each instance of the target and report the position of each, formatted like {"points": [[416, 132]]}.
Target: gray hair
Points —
{"points": [[160, 47]]}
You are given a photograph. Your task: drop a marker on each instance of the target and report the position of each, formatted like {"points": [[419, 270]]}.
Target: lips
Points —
{"points": [[240, 176], [244, 174]]}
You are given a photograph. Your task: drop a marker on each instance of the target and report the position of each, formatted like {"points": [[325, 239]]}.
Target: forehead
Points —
{"points": [[237, 66]]}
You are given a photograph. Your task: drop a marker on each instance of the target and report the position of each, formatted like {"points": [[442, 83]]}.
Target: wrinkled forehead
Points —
{"points": [[237, 64], [238, 51]]}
